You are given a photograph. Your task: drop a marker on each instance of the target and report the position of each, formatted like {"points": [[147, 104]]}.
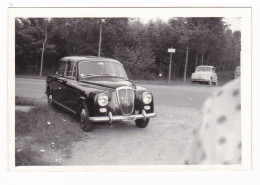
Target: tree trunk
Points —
{"points": [[186, 63], [37, 59], [43, 46], [223, 66], [202, 58], [100, 38], [197, 56], [208, 59]]}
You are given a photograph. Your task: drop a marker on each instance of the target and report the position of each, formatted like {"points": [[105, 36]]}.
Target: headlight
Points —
{"points": [[102, 99], [147, 97]]}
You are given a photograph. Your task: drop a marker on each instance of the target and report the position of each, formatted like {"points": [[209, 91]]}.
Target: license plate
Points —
{"points": [[128, 118]]}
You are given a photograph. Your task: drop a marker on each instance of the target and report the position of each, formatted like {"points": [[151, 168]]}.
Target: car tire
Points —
{"points": [[210, 82], [141, 123], [86, 125]]}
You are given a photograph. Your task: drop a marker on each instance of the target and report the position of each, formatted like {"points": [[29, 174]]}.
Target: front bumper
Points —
{"points": [[201, 79], [110, 118]]}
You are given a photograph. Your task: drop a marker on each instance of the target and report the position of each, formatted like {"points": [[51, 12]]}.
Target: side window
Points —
{"points": [[70, 69], [61, 68]]}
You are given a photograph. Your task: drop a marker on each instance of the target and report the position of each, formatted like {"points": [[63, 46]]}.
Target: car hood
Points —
{"points": [[109, 82]]}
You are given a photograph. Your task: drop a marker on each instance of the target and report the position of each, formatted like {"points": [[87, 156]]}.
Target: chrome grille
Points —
{"points": [[125, 96]]}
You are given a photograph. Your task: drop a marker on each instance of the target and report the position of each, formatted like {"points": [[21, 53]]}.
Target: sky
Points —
{"points": [[234, 23]]}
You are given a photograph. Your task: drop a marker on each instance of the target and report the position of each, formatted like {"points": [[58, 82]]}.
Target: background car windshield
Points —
{"points": [[207, 69], [100, 68]]}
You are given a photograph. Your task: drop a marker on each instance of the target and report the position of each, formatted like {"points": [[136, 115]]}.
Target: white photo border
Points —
{"points": [[246, 78]]}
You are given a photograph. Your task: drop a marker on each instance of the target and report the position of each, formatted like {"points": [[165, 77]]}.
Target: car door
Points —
{"points": [[56, 83], [71, 93]]}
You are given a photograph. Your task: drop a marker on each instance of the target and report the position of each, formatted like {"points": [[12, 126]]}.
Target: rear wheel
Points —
{"points": [[86, 125], [141, 123]]}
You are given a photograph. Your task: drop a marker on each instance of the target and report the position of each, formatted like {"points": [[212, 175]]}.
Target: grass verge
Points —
{"points": [[43, 136]]}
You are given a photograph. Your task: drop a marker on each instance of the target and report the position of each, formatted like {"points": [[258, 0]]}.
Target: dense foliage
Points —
{"points": [[142, 48]]}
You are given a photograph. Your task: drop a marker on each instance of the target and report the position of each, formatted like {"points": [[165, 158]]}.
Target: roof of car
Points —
{"points": [[89, 58]]}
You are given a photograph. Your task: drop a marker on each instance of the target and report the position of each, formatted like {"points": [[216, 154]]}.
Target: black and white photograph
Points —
{"points": [[129, 87]]}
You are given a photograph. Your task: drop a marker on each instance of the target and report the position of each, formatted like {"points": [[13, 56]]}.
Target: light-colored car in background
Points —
{"points": [[236, 72], [205, 74]]}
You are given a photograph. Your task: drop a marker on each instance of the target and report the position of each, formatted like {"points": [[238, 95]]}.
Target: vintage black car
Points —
{"points": [[98, 90]]}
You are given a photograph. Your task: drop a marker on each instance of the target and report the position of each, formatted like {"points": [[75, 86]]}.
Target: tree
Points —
{"points": [[142, 48]]}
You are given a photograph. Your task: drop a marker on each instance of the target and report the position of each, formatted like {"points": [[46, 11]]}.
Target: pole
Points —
{"points": [[170, 67], [186, 63], [43, 47], [100, 38]]}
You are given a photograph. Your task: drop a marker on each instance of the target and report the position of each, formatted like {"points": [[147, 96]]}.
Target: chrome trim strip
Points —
{"points": [[125, 88], [64, 107], [120, 118]]}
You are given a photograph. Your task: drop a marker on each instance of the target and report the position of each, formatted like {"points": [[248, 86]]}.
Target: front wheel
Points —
{"points": [[86, 125], [141, 123]]}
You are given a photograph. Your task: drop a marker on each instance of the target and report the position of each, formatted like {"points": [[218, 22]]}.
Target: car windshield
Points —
{"points": [[89, 69], [204, 68]]}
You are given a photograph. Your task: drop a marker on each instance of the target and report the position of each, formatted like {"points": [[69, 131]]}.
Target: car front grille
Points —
{"points": [[126, 96]]}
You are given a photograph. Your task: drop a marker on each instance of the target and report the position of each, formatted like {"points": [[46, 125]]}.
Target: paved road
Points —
{"points": [[165, 141], [30, 88]]}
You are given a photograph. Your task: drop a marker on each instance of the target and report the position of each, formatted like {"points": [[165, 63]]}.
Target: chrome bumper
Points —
{"points": [[205, 79], [110, 118]]}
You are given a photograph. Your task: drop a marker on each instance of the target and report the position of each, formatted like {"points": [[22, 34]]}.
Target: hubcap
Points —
{"points": [[50, 98], [82, 115]]}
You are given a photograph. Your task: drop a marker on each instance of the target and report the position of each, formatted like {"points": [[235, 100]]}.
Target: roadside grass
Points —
{"points": [[162, 82], [224, 77], [43, 136]]}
